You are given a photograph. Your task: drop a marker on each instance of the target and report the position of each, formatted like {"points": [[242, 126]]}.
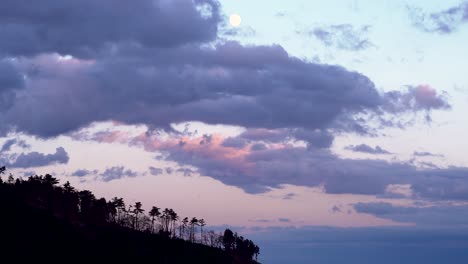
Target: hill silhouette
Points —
{"points": [[43, 221]]}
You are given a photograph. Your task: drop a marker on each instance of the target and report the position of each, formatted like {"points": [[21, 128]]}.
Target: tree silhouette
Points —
{"points": [[193, 223], [228, 240], [119, 204], [202, 223], [138, 210], [174, 218], [184, 226], [154, 213]]}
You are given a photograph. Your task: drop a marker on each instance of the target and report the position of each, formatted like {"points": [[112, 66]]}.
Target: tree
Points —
{"points": [[138, 210], [256, 252], [154, 213], [119, 204], [50, 180], [174, 218], [2, 171], [202, 223], [68, 188], [193, 223], [86, 200], [228, 240], [184, 226]]}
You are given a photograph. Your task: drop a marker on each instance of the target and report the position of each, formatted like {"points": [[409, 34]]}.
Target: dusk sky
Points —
{"points": [[327, 131]]}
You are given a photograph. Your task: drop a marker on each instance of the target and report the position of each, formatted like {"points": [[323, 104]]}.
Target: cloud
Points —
{"points": [[284, 220], [116, 173], [258, 147], [235, 142], [84, 172], [10, 81], [11, 142], [367, 149], [257, 87], [155, 171], [336, 209], [289, 196], [186, 171], [36, 159], [41, 27], [443, 22], [7, 145], [342, 36], [426, 154], [286, 164], [442, 215], [421, 97]]}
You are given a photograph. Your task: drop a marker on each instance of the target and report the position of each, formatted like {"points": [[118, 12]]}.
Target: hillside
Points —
{"points": [[43, 221]]}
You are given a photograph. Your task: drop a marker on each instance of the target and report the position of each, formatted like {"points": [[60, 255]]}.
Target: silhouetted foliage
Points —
{"points": [[42, 219]]}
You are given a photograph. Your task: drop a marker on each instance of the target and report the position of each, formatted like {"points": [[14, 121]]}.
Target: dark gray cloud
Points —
{"points": [[90, 27], [116, 173], [10, 81], [84, 172], [367, 149], [156, 171], [443, 22], [249, 86], [284, 220], [343, 36], [445, 215], [36, 159]]}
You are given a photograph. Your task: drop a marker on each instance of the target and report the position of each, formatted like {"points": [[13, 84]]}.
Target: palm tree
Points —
{"points": [[193, 223], [119, 204], [174, 219], [183, 227], [202, 223], [138, 210], [154, 213]]}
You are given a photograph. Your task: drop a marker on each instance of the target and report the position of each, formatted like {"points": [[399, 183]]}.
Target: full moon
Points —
{"points": [[235, 20]]}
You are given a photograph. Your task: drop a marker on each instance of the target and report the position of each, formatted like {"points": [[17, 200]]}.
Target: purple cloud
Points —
{"points": [[426, 154], [443, 22], [11, 142], [42, 27], [343, 36], [36, 159], [84, 172], [117, 172], [367, 149], [155, 171]]}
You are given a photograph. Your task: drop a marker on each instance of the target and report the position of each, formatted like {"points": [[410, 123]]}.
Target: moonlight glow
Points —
{"points": [[235, 20]]}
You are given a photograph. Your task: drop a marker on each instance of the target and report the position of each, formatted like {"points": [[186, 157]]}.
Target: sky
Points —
{"points": [[326, 131]]}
